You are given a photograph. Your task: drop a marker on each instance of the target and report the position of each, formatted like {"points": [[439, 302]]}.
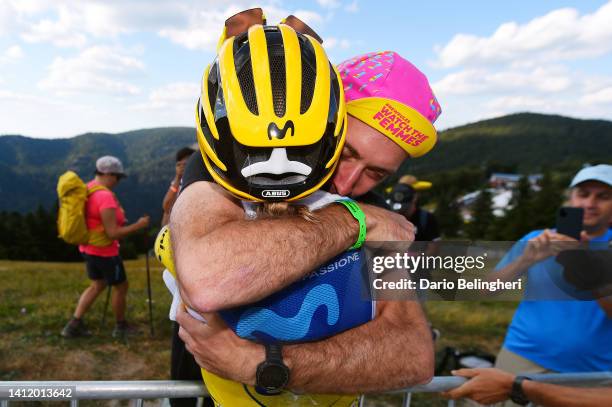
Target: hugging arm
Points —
{"points": [[393, 351], [224, 260]]}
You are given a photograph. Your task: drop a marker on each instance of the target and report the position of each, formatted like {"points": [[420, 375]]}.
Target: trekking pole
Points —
{"points": [[146, 238], [108, 294]]}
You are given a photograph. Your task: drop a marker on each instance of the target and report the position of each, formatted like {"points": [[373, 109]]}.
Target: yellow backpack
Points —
{"points": [[72, 193]]}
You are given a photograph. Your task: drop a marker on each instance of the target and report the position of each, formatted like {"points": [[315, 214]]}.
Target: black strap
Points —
{"points": [[274, 352]]}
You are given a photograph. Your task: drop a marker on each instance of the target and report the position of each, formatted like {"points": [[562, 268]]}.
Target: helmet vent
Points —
{"points": [[213, 86], [336, 88], [279, 82], [276, 180], [309, 75], [247, 86]]}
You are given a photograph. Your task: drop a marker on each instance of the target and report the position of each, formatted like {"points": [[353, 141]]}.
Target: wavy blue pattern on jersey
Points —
{"points": [[303, 311], [294, 328]]}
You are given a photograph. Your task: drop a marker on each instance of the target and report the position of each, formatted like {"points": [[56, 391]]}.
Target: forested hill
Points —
{"points": [[527, 142], [523, 142], [29, 167]]}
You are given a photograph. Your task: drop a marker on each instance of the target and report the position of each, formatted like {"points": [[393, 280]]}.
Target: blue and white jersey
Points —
{"points": [[330, 300]]}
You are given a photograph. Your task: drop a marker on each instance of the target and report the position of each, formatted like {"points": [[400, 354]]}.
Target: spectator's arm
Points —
{"points": [[604, 292], [511, 271], [168, 202], [488, 386], [527, 253], [590, 270], [551, 395], [113, 230], [606, 305]]}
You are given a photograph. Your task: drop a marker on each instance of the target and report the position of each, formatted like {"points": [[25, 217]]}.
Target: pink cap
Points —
{"points": [[391, 95], [387, 75]]}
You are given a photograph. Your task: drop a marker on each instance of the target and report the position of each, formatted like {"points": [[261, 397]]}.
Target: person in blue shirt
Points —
{"points": [[551, 330]]}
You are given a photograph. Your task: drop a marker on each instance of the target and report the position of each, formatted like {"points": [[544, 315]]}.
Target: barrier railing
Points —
{"points": [[158, 389]]}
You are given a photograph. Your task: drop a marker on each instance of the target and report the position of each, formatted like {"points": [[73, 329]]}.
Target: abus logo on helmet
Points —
{"points": [[271, 193]]}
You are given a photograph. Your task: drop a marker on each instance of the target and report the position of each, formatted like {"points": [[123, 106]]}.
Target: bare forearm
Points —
{"points": [[381, 355], [123, 231], [551, 395], [512, 271], [605, 303], [247, 260], [167, 205], [169, 199]]}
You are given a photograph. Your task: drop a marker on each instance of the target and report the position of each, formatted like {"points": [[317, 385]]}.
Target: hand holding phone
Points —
{"points": [[569, 221]]}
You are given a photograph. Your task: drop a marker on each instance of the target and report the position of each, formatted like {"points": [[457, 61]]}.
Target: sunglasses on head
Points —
{"points": [[241, 22]]}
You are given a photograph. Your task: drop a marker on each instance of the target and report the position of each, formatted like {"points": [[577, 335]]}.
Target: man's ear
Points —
{"points": [[301, 27]]}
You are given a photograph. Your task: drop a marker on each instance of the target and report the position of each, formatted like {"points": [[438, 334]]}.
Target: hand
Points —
{"points": [[548, 244], [218, 349], [179, 169], [386, 226], [486, 386], [143, 222]]}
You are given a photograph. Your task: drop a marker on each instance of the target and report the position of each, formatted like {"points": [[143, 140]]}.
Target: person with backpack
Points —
{"points": [[106, 224]]}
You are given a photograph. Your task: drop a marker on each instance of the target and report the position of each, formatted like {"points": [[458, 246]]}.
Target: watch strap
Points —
{"points": [[517, 394], [274, 352]]}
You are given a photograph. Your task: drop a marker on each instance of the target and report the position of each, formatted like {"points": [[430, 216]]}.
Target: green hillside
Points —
{"points": [[29, 167], [523, 142], [526, 141]]}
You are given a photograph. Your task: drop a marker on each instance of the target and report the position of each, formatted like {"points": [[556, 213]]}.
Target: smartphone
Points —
{"points": [[569, 221]]}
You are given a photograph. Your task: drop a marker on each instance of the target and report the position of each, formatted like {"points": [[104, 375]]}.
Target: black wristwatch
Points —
{"points": [[517, 394], [272, 374]]}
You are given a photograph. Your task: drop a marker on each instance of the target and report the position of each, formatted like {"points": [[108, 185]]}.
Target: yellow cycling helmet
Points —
{"points": [[271, 118]]}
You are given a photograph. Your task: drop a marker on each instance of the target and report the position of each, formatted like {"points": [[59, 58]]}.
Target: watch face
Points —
{"points": [[273, 377]]}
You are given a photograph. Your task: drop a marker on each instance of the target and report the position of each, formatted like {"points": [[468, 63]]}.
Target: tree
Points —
{"points": [[519, 220], [482, 216], [546, 202], [447, 214]]}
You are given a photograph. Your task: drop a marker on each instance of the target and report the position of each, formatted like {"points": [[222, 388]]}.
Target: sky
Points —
{"points": [[68, 67]]}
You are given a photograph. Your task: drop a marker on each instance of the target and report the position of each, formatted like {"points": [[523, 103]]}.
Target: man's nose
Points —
{"points": [[346, 178], [590, 201]]}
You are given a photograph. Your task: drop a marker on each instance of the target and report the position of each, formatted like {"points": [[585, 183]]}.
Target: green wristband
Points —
{"points": [[358, 214]]}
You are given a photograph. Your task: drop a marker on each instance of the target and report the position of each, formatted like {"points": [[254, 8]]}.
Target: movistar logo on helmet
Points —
{"points": [[272, 193], [275, 132]]}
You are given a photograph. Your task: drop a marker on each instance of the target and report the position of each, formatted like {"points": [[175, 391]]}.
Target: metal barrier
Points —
{"points": [[157, 389]]}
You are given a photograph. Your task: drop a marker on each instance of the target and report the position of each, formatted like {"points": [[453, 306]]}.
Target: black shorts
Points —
{"points": [[109, 269]]}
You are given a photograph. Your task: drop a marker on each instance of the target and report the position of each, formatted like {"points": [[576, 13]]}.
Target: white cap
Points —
{"points": [[109, 165], [601, 173]]}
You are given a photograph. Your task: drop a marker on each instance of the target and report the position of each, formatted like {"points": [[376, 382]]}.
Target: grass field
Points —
{"points": [[36, 300]]}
